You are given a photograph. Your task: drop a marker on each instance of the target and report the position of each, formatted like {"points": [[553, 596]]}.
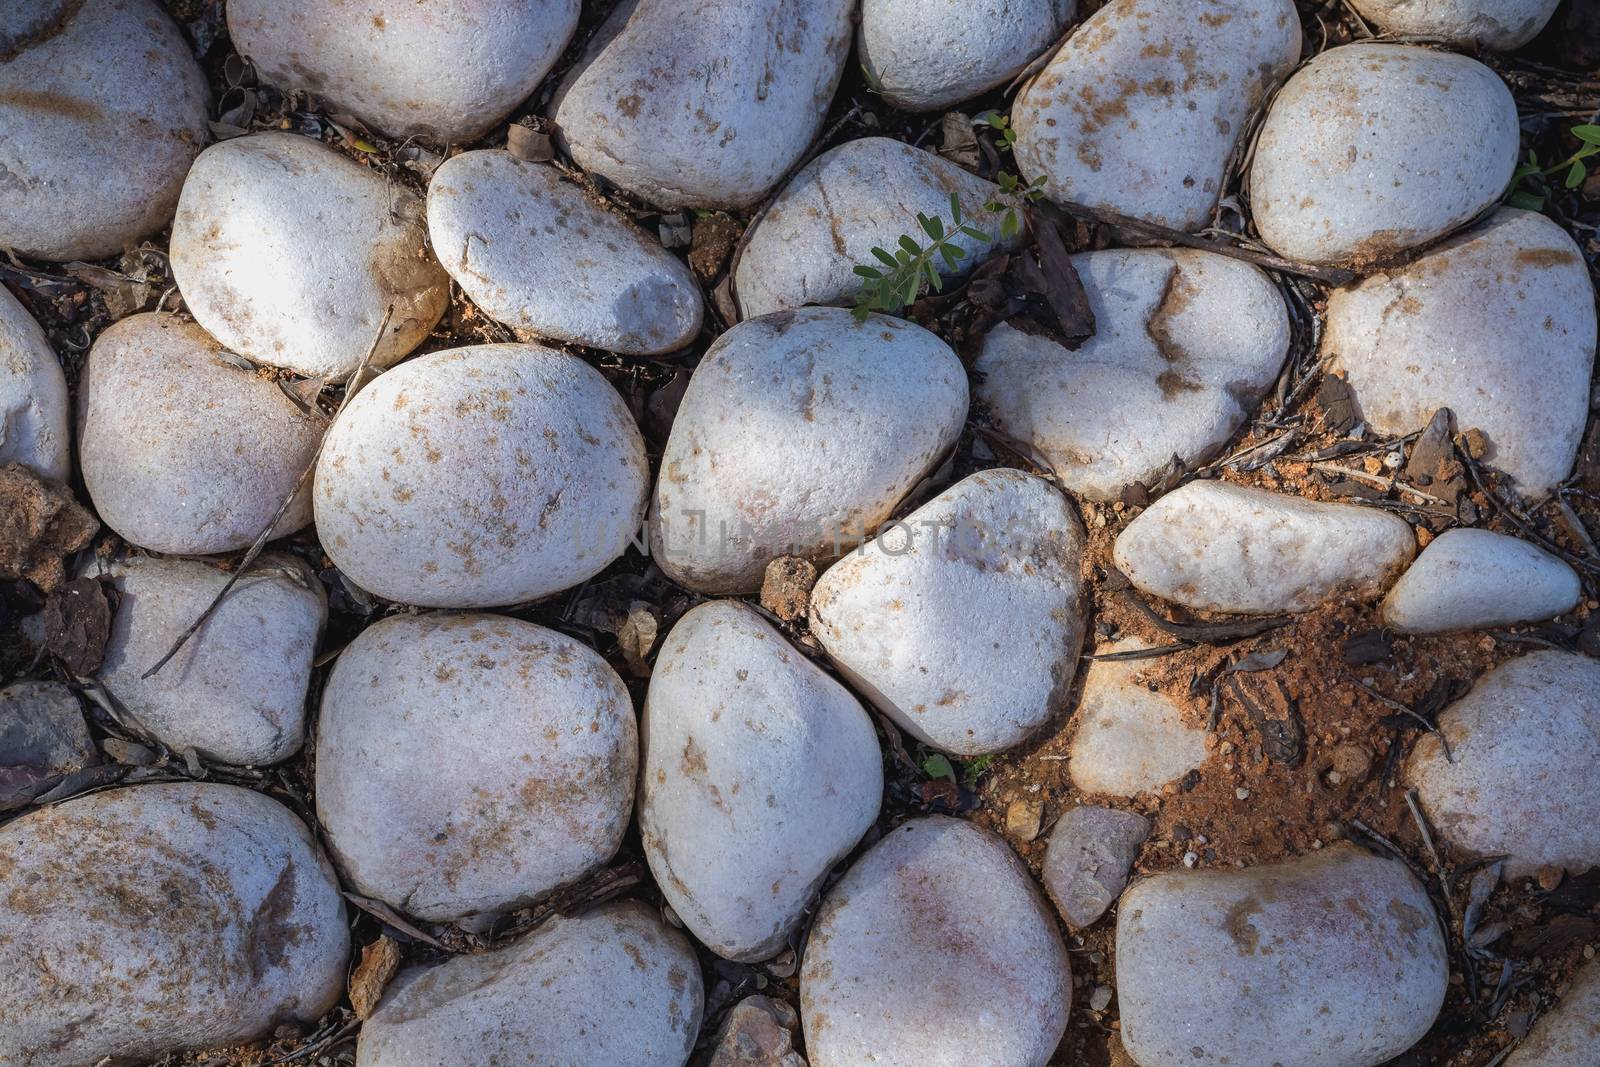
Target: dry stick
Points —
{"points": [[354, 384]]}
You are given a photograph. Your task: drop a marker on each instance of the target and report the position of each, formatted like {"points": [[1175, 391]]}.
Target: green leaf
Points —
{"points": [[911, 247], [913, 287], [976, 767], [1009, 226], [952, 255], [901, 258], [868, 272], [955, 209], [861, 311], [884, 257], [1527, 201], [933, 275], [1576, 175], [932, 227], [976, 234], [1587, 134], [937, 765]]}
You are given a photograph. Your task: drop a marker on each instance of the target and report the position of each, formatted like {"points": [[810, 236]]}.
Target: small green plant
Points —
{"points": [[1001, 125], [1527, 183], [937, 765]]}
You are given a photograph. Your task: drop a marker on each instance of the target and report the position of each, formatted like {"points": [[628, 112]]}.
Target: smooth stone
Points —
{"points": [[409, 70], [181, 450], [1331, 960], [43, 738], [864, 194], [480, 476], [798, 435], [1566, 1035], [709, 108], [1214, 546], [236, 690], [104, 109], [534, 252], [524, 738], [1185, 345], [1501, 25], [759, 1032], [172, 915], [920, 56], [35, 424], [1497, 324], [609, 987], [1374, 149], [1140, 76], [760, 773], [996, 556], [1472, 579], [1129, 740], [291, 254], [1087, 861], [1524, 741], [935, 950]]}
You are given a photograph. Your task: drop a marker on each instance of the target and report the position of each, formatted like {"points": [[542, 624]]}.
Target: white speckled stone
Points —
{"points": [[1101, 123], [447, 72], [799, 433], [532, 250], [1185, 344], [1129, 739], [1332, 960], [1214, 546], [607, 988], [1567, 1035], [479, 476], [103, 109], [1086, 864], [703, 103], [289, 253], [526, 742], [1497, 324], [1525, 742], [1466, 579], [181, 450], [935, 950], [1498, 24], [1373, 149], [172, 915], [236, 691], [995, 556], [760, 773], [35, 426]]}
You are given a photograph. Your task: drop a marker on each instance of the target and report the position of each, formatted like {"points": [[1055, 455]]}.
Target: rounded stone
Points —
{"points": [[1470, 579], [1566, 1035], [480, 476], [291, 254], [181, 450], [1087, 861], [35, 426], [140, 921], [1501, 25], [524, 737], [760, 773], [1373, 149], [536, 253], [104, 109], [1129, 739]]}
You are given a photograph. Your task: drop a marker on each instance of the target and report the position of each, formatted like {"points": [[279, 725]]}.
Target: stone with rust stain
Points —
{"points": [[42, 738], [1331, 960], [469, 764], [759, 1032], [35, 424], [1568, 1035], [1469, 579], [1087, 861], [1129, 739], [1501, 25], [143, 920]]}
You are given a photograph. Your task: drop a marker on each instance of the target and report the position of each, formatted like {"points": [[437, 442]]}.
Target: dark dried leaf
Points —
{"points": [[1338, 404], [530, 143], [1368, 646], [1209, 633], [77, 620]]}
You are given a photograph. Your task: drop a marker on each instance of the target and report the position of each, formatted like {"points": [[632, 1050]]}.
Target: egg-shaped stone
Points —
{"points": [[1129, 738], [480, 476], [798, 434], [760, 773], [535, 252], [1466, 579], [1374, 149], [703, 106], [173, 915], [446, 72], [181, 450], [1566, 1035], [469, 764], [1087, 861], [103, 109], [1103, 122], [291, 253], [35, 424], [1501, 25]]}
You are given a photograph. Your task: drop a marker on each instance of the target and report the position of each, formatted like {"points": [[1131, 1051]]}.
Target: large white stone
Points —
{"points": [[290, 253], [103, 110], [1185, 344], [480, 476], [612, 987], [1333, 960], [995, 557], [1129, 739], [181, 450], [1466, 579], [173, 915], [1214, 546], [864, 194], [1566, 1035], [705, 104], [760, 773], [35, 426], [798, 434], [1497, 324], [446, 72], [236, 691], [1373, 149], [468, 764], [1104, 121], [1498, 24], [1524, 742], [536, 253]]}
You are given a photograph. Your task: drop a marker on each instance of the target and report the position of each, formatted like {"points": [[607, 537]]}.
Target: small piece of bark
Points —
{"points": [[786, 587], [379, 962], [40, 525]]}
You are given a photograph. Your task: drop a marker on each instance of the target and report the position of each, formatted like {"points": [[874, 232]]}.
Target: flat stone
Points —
{"points": [[35, 427], [1502, 25], [43, 738], [1129, 739], [1087, 861], [1566, 1035], [759, 1032], [1472, 579]]}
